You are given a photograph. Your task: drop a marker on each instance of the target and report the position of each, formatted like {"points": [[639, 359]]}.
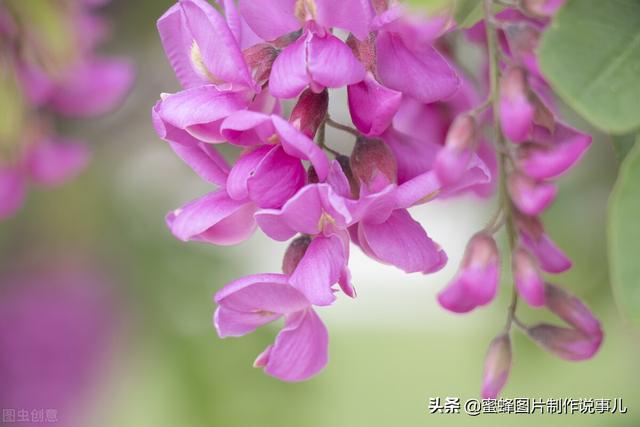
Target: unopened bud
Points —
{"points": [[453, 159], [542, 8], [566, 343], [294, 253], [373, 164], [570, 309], [310, 111], [528, 278], [531, 197], [260, 58], [516, 110], [497, 365], [481, 253]]}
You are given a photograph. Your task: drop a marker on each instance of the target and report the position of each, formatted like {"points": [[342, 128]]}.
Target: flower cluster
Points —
{"points": [[418, 131], [48, 68], [536, 147]]}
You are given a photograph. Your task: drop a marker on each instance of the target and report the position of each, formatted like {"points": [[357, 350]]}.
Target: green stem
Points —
{"points": [[504, 201]]}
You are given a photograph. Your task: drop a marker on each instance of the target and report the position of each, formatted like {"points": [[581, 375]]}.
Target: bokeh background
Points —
{"points": [[100, 303]]}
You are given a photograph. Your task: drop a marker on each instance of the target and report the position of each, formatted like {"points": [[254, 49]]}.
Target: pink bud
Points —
{"points": [[310, 111], [373, 164], [530, 197], [452, 160], [528, 278], [523, 39], [364, 50], [516, 110], [496, 367], [570, 309], [542, 8], [294, 253], [569, 344], [260, 58], [553, 157], [477, 281], [532, 235]]}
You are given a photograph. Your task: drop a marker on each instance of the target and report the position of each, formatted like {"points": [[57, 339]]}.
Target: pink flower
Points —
{"points": [[528, 278], [300, 349], [530, 196], [477, 281], [533, 237]]}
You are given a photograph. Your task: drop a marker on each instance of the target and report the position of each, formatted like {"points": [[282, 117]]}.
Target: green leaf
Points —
{"points": [[591, 56], [622, 144], [624, 236]]}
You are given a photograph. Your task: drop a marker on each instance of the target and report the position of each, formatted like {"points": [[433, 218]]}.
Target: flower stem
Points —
{"points": [[342, 127], [504, 201]]}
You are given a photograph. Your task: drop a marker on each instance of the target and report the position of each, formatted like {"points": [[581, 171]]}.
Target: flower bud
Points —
{"points": [[452, 160], [345, 165], [542, 161], [294, 253], [566, 343], [516, 110], [528, 278], [542, 8], [533, 237], [529, 196], [497, 365], [260, 58], [477, 281], [570, 309], [310, 111], [373, 164]]}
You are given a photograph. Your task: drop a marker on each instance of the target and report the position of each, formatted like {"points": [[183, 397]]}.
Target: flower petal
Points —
{"points": [[331, 63], [319, 269], [247, 128], [214, 218], [270, 19], [268, 292], [425, 76], [289, 75], [372, 106], [401, 241], [300, 349], [220, 53], [297, 144], [277, 178], [350, 15]]}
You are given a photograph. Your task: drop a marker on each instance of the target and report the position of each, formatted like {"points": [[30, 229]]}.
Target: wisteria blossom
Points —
{"points": [[48, 71], [258, 77]]}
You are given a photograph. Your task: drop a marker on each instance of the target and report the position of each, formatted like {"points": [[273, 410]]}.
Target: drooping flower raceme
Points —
{"points": [[418, 129], [50, 67]]}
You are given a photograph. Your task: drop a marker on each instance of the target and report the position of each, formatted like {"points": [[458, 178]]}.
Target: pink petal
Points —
{"points": [[214, 218], [414, 156], [270, 19], [204, 105], [551, 258], [297, 144], [528, 279], [221, 55], [569, 344], [331, 63], [427, 77], [93, 88], [244, 167], [300, 349], [401, 241], [516, 111], [310, 211], [350, 15], [319, 269], [12, 190], [289, 74], [247, 128], [231, 323], [52, 162], [263, 292], [203, 158], [177, 42], [372, 106], [277, 178]]}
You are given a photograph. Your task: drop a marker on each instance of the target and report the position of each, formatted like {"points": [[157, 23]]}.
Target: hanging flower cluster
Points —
{"points": [[48, 69], [418, 132]]}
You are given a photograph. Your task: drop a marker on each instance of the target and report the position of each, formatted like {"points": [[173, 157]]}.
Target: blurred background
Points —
{"points": [[106, 317]]}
